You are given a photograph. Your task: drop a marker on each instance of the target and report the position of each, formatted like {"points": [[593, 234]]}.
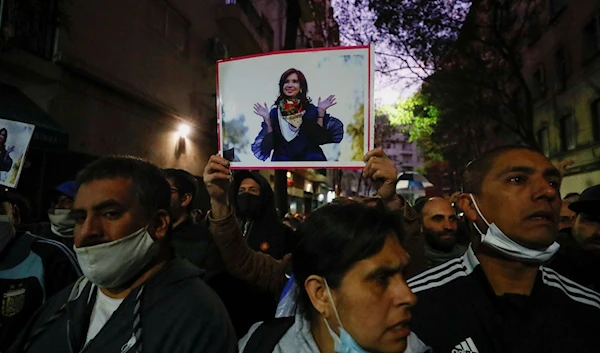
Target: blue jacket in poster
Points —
{"points": [[305, 146]]}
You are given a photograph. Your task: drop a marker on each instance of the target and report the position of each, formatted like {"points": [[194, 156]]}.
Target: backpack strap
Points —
{"points": [[267, 335]]}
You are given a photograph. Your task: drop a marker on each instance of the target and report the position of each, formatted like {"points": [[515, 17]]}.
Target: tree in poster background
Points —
{"points": [[235, 136]]}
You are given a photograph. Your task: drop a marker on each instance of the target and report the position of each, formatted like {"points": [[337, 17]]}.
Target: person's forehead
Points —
{"points": [[437, 206], [519, 158], [292, 76], [97, 191], [391, 255], [249, 182]]}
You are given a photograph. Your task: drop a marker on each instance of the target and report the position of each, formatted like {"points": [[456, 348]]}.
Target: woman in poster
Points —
{"points": [[294, 129], [5, 160]]}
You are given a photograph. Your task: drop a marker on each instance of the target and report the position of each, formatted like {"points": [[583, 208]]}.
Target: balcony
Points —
{"points": [[247, 32]]}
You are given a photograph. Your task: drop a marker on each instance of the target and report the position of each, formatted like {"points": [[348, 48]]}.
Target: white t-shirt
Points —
{"points": [[104, 307]]}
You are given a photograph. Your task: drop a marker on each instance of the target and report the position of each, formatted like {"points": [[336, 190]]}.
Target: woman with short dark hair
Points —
{"points": [[352, 295]]}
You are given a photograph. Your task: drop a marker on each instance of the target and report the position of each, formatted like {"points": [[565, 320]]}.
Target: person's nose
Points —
{"points": [[402, 295], [543, 189], [449, 225], [90, 228]]}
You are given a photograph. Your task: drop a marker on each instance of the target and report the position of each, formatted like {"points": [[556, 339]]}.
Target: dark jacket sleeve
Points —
{"points": [[263, 144], [259, 269], [332, 130], [60, 265]]}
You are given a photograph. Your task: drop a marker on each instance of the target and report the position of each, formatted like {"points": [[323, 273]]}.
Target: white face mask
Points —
{"points": [[60, 222], [7, 231], [496, 239], [113, 264]]}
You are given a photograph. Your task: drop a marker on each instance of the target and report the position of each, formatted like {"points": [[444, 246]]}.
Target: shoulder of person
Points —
{"points": [[51, 250], [571, 291], [440, 279]]}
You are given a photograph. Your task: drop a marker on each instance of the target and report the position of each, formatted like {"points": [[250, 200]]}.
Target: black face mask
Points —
{"points": [[248, 206]]}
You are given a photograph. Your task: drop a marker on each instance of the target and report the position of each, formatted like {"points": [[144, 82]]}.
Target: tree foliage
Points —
{"points": [[468, 53]]}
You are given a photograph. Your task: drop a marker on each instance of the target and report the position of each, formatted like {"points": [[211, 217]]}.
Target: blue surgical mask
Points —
{"points": [[344, 343], [497, 240]]}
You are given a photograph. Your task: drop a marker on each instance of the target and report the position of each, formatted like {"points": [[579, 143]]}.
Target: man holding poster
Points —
{"points": [[294, 129]]}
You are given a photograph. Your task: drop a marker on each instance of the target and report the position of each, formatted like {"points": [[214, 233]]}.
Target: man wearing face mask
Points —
{"points": [[135, 295], [499, 296], [32, 269], [253, 200], [61, 225]]}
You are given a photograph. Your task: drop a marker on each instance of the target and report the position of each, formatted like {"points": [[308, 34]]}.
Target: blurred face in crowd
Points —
{"points": [[250, 186], [586, 231], [179, 202], [520, 194], [106, 210], [439, 224], [2, 137], [567, 217], [63, 202], [374, 301]]}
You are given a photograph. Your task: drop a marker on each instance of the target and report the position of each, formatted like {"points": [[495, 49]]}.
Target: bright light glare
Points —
{"points": [[184, 130]]}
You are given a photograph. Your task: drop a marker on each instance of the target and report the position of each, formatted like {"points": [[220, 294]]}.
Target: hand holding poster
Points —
{"points": [[14, 142], [299, 109]]}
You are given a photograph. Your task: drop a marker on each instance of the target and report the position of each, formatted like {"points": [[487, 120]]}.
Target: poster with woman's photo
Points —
{"points": [[296, 109], [14, 142]]}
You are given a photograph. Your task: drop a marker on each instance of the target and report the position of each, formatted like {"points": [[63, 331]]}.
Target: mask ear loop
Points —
{"points": [[332, 303], [480, 215]]}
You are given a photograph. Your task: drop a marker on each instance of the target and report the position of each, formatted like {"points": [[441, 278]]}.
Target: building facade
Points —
{"points": [[403, 152], [126, 81], [563, 65]]}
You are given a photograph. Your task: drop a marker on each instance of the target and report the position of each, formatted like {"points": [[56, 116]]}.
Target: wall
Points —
{"points": [[582, 88]]}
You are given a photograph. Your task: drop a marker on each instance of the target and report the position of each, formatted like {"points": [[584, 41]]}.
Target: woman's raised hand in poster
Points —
{"points": [[262, 110], [325, 104]]}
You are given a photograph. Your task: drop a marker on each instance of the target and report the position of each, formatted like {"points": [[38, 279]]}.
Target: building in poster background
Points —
{"points": [[298, 109], [14, 142]]}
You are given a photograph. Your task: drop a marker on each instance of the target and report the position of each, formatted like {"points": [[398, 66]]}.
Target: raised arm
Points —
{"points": [[256, 268]]}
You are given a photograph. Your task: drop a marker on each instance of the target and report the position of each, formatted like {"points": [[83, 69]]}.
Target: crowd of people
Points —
{"points": [[127, 263]]}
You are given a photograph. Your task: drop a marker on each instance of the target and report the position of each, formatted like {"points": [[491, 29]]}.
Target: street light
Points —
{"points": [[184, 130]]}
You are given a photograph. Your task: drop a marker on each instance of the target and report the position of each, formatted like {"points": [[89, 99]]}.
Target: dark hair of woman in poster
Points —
{"points": [[5, 160], [294, 129]]}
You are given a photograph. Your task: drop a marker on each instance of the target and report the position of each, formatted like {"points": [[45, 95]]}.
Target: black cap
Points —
{"points": [[589, 201]]}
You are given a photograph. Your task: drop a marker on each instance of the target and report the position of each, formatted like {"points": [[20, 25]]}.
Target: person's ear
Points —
{"points": [[16, 213], [465, 203], [160, 224], [318, 295], [187, 199]]}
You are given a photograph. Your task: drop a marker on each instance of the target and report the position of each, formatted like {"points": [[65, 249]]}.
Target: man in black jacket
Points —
{"points": [[252, 198], [191, 240], [134, 297], [579, 256], [498, 297]]}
